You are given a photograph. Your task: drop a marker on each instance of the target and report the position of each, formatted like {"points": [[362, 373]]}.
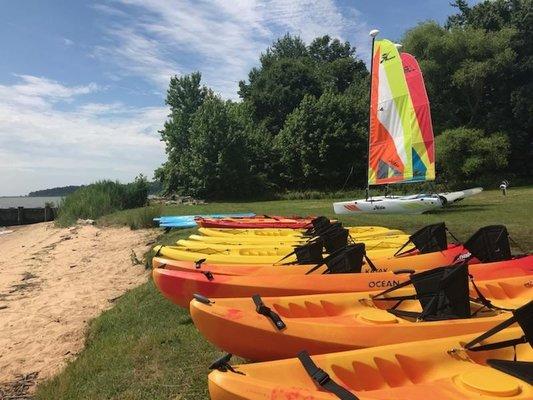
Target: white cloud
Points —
{"points": [[222, 39], [44, 145], [67, 41]]}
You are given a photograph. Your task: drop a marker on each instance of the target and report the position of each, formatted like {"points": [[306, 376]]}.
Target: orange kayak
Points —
{"points": [[405, 371], [180, 286], [256, 222], [343, 321]]}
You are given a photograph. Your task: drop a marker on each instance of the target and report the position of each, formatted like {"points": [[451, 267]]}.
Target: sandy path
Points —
{"points": [[52, 282]]}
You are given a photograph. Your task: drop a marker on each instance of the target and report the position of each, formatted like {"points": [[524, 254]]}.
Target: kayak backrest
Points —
{"points": [[490, 244], [328, 229], [335, 240], [349, 260], [320, 223], [524, 317], [443, 292], [430, 238], [309, 253]]}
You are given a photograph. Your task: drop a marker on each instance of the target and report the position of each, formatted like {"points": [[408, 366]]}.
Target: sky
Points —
{"points": [[82, 84]]}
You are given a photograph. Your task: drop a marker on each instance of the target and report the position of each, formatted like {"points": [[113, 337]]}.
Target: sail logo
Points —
{"points": [[386, 57]]}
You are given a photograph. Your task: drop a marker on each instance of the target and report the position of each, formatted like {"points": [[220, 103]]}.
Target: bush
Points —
{"points": [[466, 156], [100, 198]]}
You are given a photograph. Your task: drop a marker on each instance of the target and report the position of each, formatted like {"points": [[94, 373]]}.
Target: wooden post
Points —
{"points": [[47, 213], [20, 215]]}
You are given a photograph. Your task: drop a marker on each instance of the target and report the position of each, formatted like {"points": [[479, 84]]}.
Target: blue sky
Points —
{"points": [[82, 84]]}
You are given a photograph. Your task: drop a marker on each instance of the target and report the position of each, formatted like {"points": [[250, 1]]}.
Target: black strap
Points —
{"points": [[322, 379], [452, 235], [208, 275], [491, 332], [325, 260], [516, 244], [293, 252], [370, 263], [222, 364], [262, 309], [483, 300], [398, 252]]}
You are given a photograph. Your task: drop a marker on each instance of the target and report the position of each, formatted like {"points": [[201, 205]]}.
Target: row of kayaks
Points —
{"points": [[357, 313]]}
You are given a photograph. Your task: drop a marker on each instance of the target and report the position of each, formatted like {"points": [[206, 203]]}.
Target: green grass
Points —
{"points": [[146, 348], [101, 198]]}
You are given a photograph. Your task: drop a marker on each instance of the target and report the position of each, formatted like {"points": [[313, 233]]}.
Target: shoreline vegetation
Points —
{"points": [[145, 347]]}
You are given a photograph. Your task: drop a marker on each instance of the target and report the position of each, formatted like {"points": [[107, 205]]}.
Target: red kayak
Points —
{"points": [[180, 286], [256, 222]]}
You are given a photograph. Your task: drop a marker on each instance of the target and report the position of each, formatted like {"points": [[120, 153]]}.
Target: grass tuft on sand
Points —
{"points": [[147, 348]]}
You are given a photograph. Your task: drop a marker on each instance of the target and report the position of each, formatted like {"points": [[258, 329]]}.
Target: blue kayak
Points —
{"points": [[187, 221]]}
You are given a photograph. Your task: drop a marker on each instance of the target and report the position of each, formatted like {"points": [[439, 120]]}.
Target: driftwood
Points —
{"points": [[19, 388]]}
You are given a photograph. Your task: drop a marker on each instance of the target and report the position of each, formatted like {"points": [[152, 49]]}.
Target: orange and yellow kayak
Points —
{"points": [[328, 323], [438, 369], [390, 263], [179, 286]]}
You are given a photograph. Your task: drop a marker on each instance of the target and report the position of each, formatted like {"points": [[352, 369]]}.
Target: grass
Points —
{"points": [[101, 198], [146, 348]]}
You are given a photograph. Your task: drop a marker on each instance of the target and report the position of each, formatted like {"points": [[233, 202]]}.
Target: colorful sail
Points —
{"points": [[400, 145], [423, 149]]}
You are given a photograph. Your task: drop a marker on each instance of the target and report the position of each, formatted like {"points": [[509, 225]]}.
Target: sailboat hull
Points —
{"points": [[415, 204]]}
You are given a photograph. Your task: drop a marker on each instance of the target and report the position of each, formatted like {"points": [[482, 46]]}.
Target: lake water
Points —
{"points": [[28, 202]]}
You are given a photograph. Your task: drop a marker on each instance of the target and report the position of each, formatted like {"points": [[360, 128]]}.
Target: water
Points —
{"points": [[28, 202]]}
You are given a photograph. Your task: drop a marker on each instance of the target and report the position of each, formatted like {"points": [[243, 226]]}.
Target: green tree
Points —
{"points": [[184, 95], [468, 155], [289, 70], [478, 70], [220, 160], [322, 141]]}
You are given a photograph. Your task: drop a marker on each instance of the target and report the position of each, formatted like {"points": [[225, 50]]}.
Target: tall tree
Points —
{"points": [[184, 96], [220, 159], [289, 70], [323, 142]]}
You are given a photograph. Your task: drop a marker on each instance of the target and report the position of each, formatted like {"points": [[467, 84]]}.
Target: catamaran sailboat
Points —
{"points": [[401, 143]]}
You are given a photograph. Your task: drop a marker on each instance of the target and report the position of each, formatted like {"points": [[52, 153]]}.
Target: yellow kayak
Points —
{"points": [[242, 255], [363, 231], [281, 240], [393, 242], [436, 369]]}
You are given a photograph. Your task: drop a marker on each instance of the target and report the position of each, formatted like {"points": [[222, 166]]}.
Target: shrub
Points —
{"points": [[100, 198], [469, 156]]}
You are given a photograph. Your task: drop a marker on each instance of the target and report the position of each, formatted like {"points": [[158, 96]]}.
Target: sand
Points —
{"points": [[53, 281]]}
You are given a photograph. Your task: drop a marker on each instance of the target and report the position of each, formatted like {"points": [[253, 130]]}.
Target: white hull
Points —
{"points": [[452, 197], [414, 204]]}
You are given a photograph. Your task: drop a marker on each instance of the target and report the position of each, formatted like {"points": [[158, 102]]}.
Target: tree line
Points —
{"points": [[302, 119]]}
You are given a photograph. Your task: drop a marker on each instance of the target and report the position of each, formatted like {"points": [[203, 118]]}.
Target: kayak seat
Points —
{"points": [[490, 244]]}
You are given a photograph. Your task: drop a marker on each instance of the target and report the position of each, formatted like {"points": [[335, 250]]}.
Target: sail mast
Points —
{"points": [[373, 33]]}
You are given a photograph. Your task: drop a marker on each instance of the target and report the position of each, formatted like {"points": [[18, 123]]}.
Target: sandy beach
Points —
{"points": [[53, 281]]}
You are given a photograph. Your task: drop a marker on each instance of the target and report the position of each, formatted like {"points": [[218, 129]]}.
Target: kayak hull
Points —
{"points": [[341, 321], [388, 205], [180, 286], [391, 263], [405, 371]]}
